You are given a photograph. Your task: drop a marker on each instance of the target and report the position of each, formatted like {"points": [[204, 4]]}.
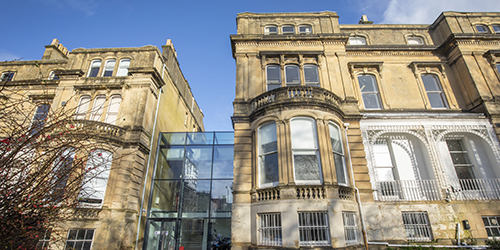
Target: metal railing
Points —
{"points": [[408, 190], [474, 189]]}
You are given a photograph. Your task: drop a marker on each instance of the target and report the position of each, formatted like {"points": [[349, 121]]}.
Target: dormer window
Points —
{"points": [[481, 29], [305, 29], [357, 40], [288, 30], [415, 40], [271, 30]]}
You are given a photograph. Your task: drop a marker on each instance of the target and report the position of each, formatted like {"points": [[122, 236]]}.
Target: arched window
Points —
{"points": [[496, 28], [311, 75], [292, 75], [53, 76], [109, 67], [96, 178], [414, 40], [287, 29], [94, 68], [271, 30], [113, 107], [82, 108], [123, 67], [97, 108], [268, 155], [338, 153], [434, 91], [482, 28], [305, 150], [305, 29], [357, 40], [369, 91], [273, 76]]}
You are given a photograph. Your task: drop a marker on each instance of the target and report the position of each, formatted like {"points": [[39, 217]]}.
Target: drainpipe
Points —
{"points": [[363, 230], [149, 161], [458, 234]]}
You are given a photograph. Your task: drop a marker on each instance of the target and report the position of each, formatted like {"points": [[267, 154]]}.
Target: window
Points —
{"points": [[271, 30], [292, 76], [434, 91], [113, 107], [357, 40], [460, 158], [39, 118], [350, 228], [53, 76], [311, 75], [94, 68], [338, 153], [109, 67], [79, 239], [270, 229], [97, 108], [415, 40], [498, 67], [496, 28], [305, 150], [273, 75], [7, 76], [288, 29], [268, 155], [61, 171], [82, 108], [305, 29], [417, 226], [96, 177], [369, 91], [481, 28], [313, 229], [123, 67], [385, 168], [491, 225], [44, 242]]}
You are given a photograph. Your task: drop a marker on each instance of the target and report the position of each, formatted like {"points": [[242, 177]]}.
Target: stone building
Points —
{"points": [[127, 95], [375, 134]]}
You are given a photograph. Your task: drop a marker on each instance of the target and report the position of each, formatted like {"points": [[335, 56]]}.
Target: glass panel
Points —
{"points": [[303, 134], [114, 105], [196, 198], [273, 74], [170, 163], [367, 83], [481, 29], [306, 166], [465, 173], [72, 234], [311, 74], [335, 139], [305, 29], [224, 138], [271, 30], [292, 74], [496, 28], [81, 234], [220, 234], [200, 138], [357, 40], [385, 174], [97, 108], [39, 119], [340, 168], [78, 245], [498, 67], [431, 82], [175, 138], [109, 67], [288, 29], [90, 234], [267, 138], [82, 107], [94, 68], [454, 145], [371, 101], [269, 171], [96, 178], [192, 234], [436, 100], [223, 162], [153, 236], [123, 67], [165, 199], [222, 198], [415, 40], [273, 86], [486, 221], [198, 162], [86, 245]]}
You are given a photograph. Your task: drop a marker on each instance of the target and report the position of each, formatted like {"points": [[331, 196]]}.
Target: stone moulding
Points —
{"points": [[303, 192]]}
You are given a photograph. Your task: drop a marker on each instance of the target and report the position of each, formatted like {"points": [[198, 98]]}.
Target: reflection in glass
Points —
{"points": [[198, 162], [221, 232], [223, 162], [196, 197], [200, 138], [175, 138], [222, 198], [192, 234], [166, 198], [169, 165], [224, 138]]}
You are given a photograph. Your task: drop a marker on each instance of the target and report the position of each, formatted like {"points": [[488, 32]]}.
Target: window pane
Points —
{"points": [[292, 74], [431, 82], [311, 74], [335, 138], [306, 166], [357, 40], [305, 29], [166, 199], [223, 162], [340, 168], [222, 198], [96, 178], [109, 67], [72, 234], [496, 28], [269, 172], [196, 198], [498, 67], [367, 83], [288, 29], [481, 29], [39, 118], [97, 108], [304, 133], [82, 107], [114, 105], [200, 138], [192, 233], [198, 162], [94, 68], [271, 30], [123, 67], [273, 74], [415, 40], [81, 234], [267, 138], [371, 101]]}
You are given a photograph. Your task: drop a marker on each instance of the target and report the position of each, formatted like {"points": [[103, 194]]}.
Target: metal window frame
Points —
{"points": [[270, 233]]}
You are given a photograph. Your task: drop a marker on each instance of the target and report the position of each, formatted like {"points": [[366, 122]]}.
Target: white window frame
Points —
{"points": [[292, 32], [415, 40], [375, 92], [350, 228], [417, 226], [307, 29], [96, 178], [291, 82], [86, 231], [340, 170], [270, 233], [315, 68], [301, 148], [261, 154], [109, 67], [481, 28], [95, 64], [440, 90], [268, 32], [7, 76], [82, 108], [113, 104], [53, 76], [493, 225], [357, 40], [466, 156], [314, 229], [97, 108], [273, 84], [123, 67]]}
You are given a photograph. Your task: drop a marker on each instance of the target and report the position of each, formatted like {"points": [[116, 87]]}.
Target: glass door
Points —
{"points": [[161, 235]]}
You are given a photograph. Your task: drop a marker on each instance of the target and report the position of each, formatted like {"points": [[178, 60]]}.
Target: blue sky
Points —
{"points": [[199, 30]]}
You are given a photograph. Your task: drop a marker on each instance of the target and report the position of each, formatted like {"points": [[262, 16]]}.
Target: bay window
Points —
{"points": [[305, 150], [268, 155], [338, 153]]}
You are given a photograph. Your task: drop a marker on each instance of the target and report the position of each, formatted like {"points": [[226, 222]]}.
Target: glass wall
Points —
{"points": [[191, 194]]}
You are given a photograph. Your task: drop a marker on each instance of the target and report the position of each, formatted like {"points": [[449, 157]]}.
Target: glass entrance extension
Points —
{"points": [[191, 194]]}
